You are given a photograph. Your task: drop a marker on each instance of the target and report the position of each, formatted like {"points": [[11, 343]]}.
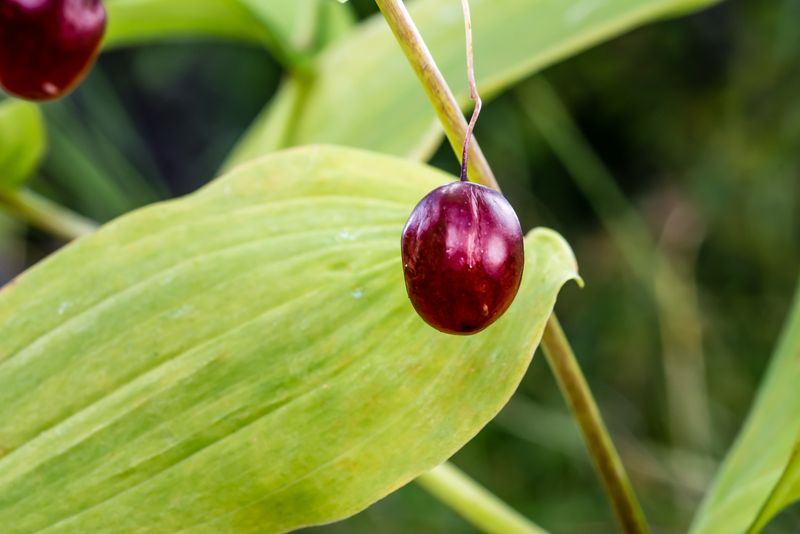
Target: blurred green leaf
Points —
{"points": [[364, 94], [245, 358], [786, 492], [762, 452], [275, 125], [335, 21], [297, 23], [287, 29], [22, 141], [134, 22]]}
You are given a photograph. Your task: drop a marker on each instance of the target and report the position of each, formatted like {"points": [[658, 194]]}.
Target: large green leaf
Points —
{"points": [[364, 93], [246, 358], [22, 141], [764, 448]]}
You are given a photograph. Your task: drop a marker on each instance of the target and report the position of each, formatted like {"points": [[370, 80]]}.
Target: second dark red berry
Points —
{"points": [[48, 46]]}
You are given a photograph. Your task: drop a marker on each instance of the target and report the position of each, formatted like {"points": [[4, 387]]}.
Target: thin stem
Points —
{"points": [[474, 503], [554, 342], [473, 89], [434, 84], [583, 406], [46, 214]]}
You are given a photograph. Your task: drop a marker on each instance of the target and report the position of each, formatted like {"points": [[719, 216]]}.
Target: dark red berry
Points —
{"points": [[48, 46], [462, 257]]}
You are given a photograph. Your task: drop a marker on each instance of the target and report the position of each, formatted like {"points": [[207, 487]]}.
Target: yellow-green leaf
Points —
{"points": [[786, 492], [22, 141], [245, 358], [364, 94], [289, 29], [133, 22], [300, 23], [763, 451]]}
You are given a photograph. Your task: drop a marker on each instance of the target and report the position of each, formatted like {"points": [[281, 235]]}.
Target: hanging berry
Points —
{"points": [[462, 246], [462, 257]]}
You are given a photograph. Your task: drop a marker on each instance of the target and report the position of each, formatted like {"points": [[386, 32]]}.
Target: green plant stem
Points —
{"points": [[673, 293], [555, 344], [439, 93], [46, 214], [473, 502], [583, 406]]}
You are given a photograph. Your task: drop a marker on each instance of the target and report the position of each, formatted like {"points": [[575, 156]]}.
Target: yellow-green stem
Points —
{"points": [[45, 214], [560, 354], [439, 93], [584, 408], [474, 503]]}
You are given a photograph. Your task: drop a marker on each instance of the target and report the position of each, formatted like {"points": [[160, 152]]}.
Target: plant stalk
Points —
{"points": [[474, 503], [556, 347], [584, 408], [46, 215], [439, 93]]}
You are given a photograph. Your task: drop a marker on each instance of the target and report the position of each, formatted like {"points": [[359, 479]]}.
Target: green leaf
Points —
{"points": [[335, 21], [762, 452], [298, 22], [363, 85], [287, 29], [22, 141], [786, 492], [134, 22], [245, 358], [275, 123]]}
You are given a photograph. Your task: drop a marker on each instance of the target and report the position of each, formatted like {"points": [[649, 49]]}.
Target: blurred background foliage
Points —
{"points": [[697, 120]]}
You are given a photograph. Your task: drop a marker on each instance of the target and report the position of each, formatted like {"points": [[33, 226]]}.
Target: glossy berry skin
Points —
{"points": [[463, 257], [48, 46]]}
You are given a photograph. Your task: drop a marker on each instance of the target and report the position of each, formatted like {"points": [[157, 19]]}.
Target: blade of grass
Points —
{"points": [[673, 294], [77, 174]]}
